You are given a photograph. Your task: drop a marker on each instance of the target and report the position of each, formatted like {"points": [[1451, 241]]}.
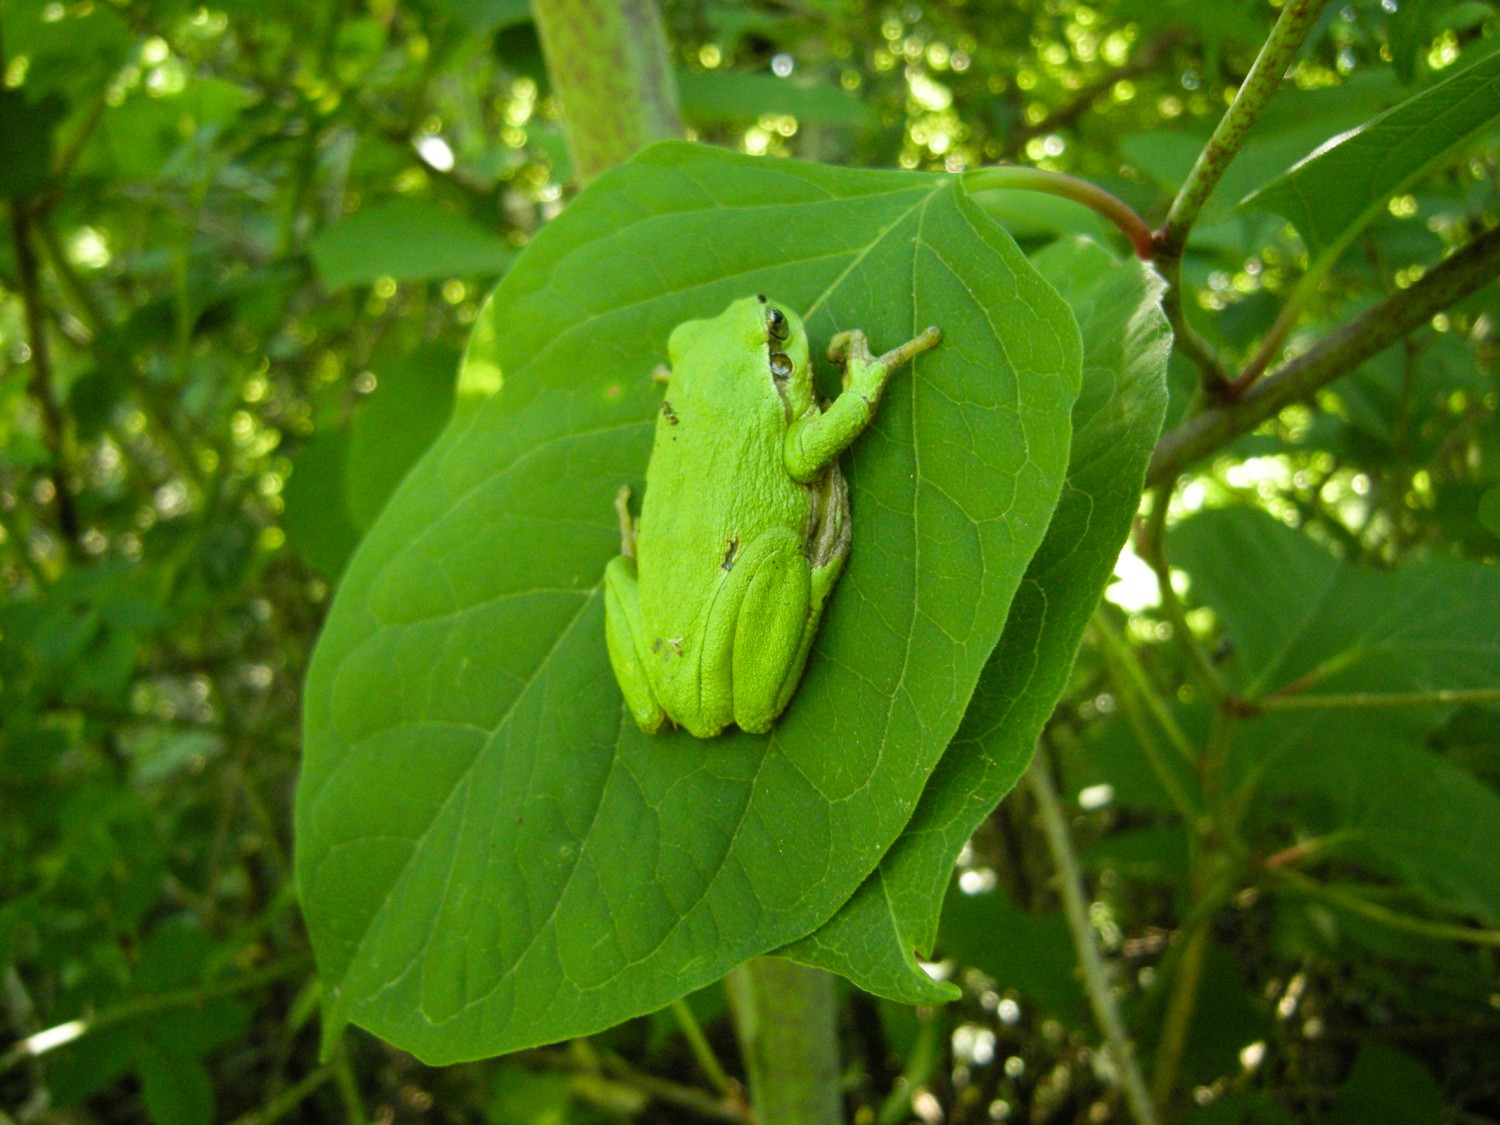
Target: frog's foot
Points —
{"points": [[628, 525], [848, 345], [851, 351], [623, 633]]}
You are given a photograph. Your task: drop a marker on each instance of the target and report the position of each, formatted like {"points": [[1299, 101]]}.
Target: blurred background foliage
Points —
{"points": [[245, 245]]}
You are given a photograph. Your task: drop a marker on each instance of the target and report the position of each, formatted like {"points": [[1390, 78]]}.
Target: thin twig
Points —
{"points": [[1442, 931], [1342, 350], [673, 1093], [52, 1038], [1101, 999], [54, 425], [1280, 47], [1023, 178], [1153, 549], [1458, 697], [699, 1045], [1142, 62], [288, 1100]]}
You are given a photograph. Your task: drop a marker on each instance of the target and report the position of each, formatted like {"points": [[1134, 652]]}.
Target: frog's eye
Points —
{"points": [[781, 366], [776, 324]]}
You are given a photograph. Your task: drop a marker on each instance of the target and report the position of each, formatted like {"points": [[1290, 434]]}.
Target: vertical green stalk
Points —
{"points": [[1276, 54], [609, 63], [1280, 47], [786, 1018], [55, 433], [1101, 999]]}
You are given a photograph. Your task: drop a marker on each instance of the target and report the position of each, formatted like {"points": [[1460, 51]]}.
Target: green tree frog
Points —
{"points": [[712, 604]]}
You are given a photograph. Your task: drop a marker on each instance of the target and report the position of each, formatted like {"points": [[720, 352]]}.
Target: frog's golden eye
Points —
{"points": [[776, 324], [781, 366]]}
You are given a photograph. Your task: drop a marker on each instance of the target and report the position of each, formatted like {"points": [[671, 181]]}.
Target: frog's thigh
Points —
{"points": [[823, 579], [623, 634], [770, 627]]}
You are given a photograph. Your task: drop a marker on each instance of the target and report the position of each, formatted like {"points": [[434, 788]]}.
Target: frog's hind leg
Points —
{"points": [[828, 536], [624, 634], [769, 628]]}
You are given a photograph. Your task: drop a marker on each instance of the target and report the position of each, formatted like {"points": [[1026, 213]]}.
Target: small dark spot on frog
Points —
{"points": [[761, 297], [656, 645], [668, 413], [731, 549]]}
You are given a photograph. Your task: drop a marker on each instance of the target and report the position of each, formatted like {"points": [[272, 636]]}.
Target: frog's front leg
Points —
{"points": [[623, 628], [816, 439]]}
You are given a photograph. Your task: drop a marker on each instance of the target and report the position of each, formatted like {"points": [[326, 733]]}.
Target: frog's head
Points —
{"points": [[779, 331], [763, 337]]}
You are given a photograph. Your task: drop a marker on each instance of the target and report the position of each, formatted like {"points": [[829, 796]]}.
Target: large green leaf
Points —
{"points": [[1116, 421], [1295, 614], [1335, 192], [490, 855]]}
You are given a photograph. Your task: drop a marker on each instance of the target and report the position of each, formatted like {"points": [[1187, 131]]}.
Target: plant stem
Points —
{"points": [[785, 1015], [699, 1045], [54, 424], [675, 1094], [1059, 843], [1364, 699], [1276, 54], [1179, 1017], [1135, 676], [288, 1100], [609, 63], [1152, 544], [348, 1086], [1142, 62], [1465, 272], [1443, 931], [1280, 47], [49, 1040], [1022, 178]]}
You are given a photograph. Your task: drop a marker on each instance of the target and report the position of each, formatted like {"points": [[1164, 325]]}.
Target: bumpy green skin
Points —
{"points": [[713, 602]]}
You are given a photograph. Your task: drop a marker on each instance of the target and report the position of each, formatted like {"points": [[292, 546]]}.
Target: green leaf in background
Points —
{"points": [[1331, 195], [408, 239], [1295, 614], [1028, 952], [1388, 1086], [175, 1088], [1375, 797], [718, 96], [1294, 122], [26, 128], [411, 403], [1489, 510], [343, 476], [484, 17], [1116, 421], [316, 516], [490, 854]]}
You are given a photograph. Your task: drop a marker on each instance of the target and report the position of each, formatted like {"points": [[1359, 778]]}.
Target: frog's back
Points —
{"points": [[718, 481]]}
